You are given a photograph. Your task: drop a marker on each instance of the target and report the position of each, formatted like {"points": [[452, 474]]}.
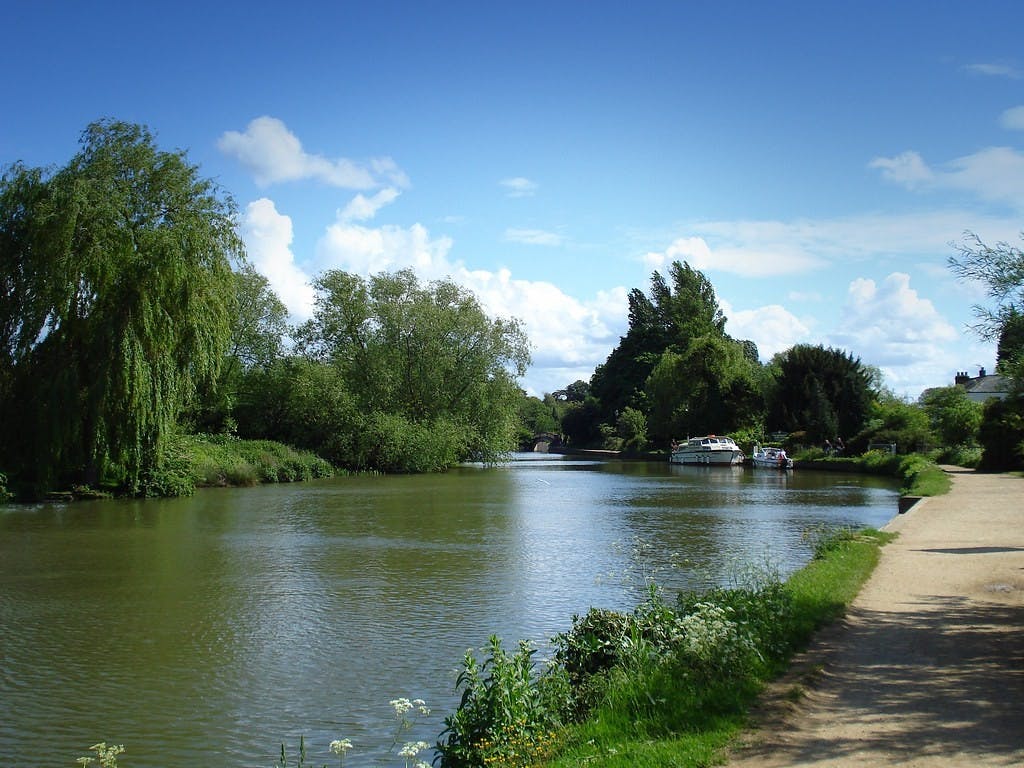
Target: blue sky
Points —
{"points": [[815, 160]]}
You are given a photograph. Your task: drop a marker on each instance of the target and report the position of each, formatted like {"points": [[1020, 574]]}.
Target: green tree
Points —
{"points": [[631, 428], [674, 315], [115, 305], [259, 327], [427, 357], [711, 387], [824, 392], [893, 420], [1010, 344], [535, 417], [954, 417]]}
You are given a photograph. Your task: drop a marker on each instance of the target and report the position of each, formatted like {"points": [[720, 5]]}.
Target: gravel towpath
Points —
{"points": [[927, 668]]}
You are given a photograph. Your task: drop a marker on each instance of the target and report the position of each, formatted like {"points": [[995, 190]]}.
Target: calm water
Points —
{"points": [[210, 630]]}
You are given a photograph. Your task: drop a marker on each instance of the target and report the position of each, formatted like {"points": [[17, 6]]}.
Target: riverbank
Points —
{"points": [[926, 667]]}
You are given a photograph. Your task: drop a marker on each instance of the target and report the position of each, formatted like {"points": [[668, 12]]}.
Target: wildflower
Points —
{"points": [[421, 705], [412, 748], [401, 706], [341, 746]]}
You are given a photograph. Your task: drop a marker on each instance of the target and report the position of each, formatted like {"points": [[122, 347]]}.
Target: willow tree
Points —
{"points": [[115, 303]]}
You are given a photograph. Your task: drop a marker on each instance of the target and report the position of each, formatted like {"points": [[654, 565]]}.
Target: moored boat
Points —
{"points": [[710, 449], [771, 458]]}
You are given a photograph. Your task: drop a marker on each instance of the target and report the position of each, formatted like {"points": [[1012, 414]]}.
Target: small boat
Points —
{"points": [[710, 449], [772, 458]]}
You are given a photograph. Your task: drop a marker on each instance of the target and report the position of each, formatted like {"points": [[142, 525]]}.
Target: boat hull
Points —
{"points": [[770, 459], [707, 450], [724, 458]]}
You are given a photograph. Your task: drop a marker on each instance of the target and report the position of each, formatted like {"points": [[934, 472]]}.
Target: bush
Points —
{"points": [[505, 715], [1002, 435]]}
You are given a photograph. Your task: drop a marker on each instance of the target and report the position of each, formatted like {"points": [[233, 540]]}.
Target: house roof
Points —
{"points": [[993, 384]]}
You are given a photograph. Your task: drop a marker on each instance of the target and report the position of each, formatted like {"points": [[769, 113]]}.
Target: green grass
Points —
{"points": [[195, 461], [667, 714]]}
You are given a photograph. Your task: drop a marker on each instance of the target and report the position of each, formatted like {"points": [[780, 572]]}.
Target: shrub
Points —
{"points": [[505, 716]]}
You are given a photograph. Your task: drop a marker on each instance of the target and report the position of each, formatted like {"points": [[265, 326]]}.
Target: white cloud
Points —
{"points": [[274, 154], [772, 328], [570, 337], [267, 235], [361, 208], [891, 326], [518, 186], [993, 173], [533, 237], [1013, 119], [369, 250], [750, 249], [907, 168], [993, 69]]}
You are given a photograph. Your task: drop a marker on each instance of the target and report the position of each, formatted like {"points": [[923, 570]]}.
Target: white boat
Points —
{"points": [[771, 458], [710, 449]]}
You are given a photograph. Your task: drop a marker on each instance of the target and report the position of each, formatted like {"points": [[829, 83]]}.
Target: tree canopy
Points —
{"points": [[115, 304], [669, 320], [823, 392], [417, 357]]}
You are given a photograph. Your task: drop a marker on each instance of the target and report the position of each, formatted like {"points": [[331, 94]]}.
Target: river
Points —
{"points": [[214, 628]]}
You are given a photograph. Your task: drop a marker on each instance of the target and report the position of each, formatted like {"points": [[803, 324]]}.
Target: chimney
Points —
{"points": [[962, 377], [981, 373]]}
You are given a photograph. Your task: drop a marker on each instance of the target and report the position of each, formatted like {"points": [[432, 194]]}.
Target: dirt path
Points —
{"points": [[927, 669]]}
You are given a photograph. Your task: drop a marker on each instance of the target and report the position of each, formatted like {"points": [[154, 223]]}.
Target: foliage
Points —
{"points": [[259, 326], [681, 707], [823, 392], [711, 386], [892, 420], [923, 477], [1002, 435], [668, 320], [115, 305], [106, 756], [505, 715], [631, 427], [537, 416], [405, 361], [960, 455], [580, 422], [193, 461], [1010, 344], [954, 417], [576, 392]]}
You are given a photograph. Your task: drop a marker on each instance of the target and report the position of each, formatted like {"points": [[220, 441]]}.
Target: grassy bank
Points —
{"points": [[668, 684], [197, 461]]}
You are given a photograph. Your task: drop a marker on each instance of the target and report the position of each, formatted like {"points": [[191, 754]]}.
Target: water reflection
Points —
{"points": [[214, 628]]}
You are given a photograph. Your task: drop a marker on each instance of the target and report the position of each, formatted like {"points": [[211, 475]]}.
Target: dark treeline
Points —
{"points": [[129, 317]]}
